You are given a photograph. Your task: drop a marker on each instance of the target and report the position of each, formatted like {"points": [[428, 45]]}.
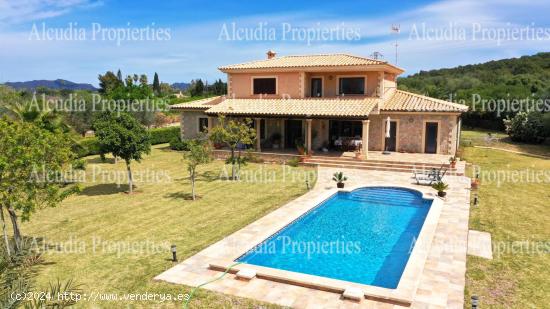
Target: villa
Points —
{"points": [[328, 102]]}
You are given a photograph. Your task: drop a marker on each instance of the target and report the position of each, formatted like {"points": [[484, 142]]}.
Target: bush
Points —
{"points": [[176, 143], [87, 147], [164, 135], [293, 162], [526, 127]]}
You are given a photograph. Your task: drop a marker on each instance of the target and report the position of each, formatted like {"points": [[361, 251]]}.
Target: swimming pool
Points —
{"points": [[364, 236]]}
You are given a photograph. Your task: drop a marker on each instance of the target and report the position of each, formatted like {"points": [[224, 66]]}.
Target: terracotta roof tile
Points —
{"points": [[202, 104], [304, 61], [407, 101], [336, 107]]}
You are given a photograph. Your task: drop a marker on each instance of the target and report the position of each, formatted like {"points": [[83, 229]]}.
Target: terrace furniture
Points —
{"points": [[348, 143], [430, 177]]}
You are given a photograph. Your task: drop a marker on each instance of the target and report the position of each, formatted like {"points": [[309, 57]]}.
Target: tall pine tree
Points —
{"points": [[156, 84], [119, 75]]}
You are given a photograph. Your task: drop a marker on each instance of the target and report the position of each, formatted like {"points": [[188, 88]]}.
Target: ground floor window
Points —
{"points": [[203, 124]]}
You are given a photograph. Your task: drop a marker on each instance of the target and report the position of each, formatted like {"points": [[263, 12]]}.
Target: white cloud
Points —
{"points": [[18, 11], [195, 51]]}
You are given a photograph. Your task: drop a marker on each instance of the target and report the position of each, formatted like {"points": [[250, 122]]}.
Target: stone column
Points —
{"points": [[258, 130], [210, 123], [365, 137], [308, 136]]}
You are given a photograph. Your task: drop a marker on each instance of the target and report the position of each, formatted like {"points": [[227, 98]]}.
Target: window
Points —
{"points": [[265, 85], [351, 85], [316, 87], [203, 124]]}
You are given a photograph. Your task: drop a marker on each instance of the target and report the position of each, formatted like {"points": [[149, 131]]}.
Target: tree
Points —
{"points": [[108, 82], [526, 127], [156, 84], [199, 152], [234, 134], [32, 163], [124, 137], [143, 80], [196, 88], [119, 75]]}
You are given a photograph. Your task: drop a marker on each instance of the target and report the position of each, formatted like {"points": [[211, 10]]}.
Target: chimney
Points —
{"points": [[271, 54]]}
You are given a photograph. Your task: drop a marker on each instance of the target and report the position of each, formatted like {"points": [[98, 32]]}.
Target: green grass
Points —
{"points": [[512, 211], [161, 213], [158, 215], [479, 138]]}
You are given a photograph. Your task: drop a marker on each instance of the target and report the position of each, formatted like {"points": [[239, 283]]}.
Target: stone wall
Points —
{"points": [[410, 132]]}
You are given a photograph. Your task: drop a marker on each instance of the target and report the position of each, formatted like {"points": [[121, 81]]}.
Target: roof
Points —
{"points": [[308, 61], [398, 101], [411, 102], [310, 107], [202, 104]]}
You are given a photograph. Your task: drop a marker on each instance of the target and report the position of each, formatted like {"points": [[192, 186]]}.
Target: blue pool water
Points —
{"points": [[364, 236]]}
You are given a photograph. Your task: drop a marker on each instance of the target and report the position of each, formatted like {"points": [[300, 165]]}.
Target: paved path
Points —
{"points": [[441, 283]]}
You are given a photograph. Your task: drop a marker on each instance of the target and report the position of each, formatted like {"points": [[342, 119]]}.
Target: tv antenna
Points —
{"points": [[395, 29], [376, 55]]}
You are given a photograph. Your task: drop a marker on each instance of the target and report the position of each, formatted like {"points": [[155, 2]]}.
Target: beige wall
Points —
{"points": [[330, 82], [288, 83], [410, 132], [297, 84]]}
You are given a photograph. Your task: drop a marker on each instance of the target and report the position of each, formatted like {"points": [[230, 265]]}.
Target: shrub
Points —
{"points": [[87, 147], [293, 162], [164, 135], [176, 143], [526, 127], [254, 158]]}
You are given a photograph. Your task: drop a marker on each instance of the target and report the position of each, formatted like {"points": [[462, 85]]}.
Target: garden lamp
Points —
{"points": [[174, 253]]}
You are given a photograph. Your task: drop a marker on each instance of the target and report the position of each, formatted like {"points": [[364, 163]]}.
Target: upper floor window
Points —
{"points": [[264, 85], [351, 85]]}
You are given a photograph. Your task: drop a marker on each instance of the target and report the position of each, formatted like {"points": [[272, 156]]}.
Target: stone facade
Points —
{"points": [[410, 130]]}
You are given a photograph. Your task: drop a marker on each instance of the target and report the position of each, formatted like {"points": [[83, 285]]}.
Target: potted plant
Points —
{"points": [[300, 147], [440, 187], [475, 183], [452, 161], [339, 178]]}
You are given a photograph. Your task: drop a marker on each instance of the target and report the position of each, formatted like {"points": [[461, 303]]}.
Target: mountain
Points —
{"points": [[51, 84], [181, 86], [482, 86]]}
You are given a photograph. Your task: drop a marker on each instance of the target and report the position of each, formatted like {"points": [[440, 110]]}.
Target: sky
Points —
{"points": [[187, 39]]}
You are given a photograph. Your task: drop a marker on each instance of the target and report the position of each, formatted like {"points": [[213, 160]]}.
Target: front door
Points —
{"points": [[316, 87], [391, 142], [430, 142], [293, 133]]}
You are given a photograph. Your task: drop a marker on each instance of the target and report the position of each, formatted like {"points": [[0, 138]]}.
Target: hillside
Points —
{"points": [[50, 84], [527, 77]]}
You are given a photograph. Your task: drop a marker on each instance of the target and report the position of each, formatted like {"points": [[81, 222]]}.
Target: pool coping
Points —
{"points": [[410, 278]]}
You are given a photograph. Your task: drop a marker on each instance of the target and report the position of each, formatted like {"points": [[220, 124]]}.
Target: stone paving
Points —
{"points": [[442, 277]]}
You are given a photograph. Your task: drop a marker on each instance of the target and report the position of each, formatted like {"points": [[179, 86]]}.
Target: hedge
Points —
{"points": [[87, 147], [164, 135], [90, 146]]}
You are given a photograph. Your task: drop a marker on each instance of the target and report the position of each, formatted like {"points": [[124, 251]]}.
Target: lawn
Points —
{"points": [[110, 242], [516, 211], [500, 140]]}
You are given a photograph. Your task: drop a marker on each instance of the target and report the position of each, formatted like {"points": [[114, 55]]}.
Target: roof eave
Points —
{"points": [[326, 68]]}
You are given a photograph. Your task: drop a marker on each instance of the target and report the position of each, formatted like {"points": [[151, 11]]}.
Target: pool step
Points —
{"points": [[377, 165]]}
